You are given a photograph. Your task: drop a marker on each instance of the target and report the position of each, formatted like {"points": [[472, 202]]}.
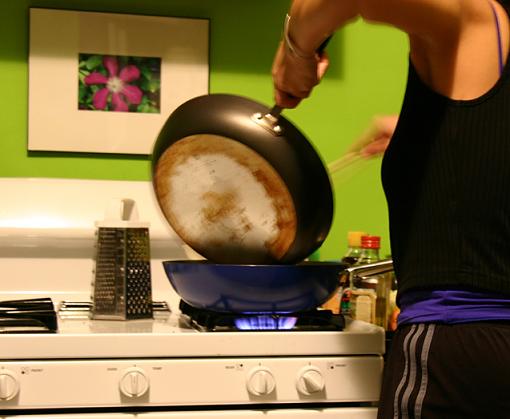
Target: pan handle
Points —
{"points": [[275, 111], [376, 268], [269, 121]]}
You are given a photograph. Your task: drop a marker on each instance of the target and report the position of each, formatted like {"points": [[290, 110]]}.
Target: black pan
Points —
{"points": [[255, 288], [241, 184]]}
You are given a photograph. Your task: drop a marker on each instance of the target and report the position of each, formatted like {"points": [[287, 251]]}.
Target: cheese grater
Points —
{"points": [[122, 277]]}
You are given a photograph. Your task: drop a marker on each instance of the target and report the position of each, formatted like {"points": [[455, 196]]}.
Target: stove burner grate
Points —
{"points": [[80, 310], [213, 321], [36, 315]]}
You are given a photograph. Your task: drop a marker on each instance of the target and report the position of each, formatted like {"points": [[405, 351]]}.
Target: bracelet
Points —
{"points": [[290, 45]]}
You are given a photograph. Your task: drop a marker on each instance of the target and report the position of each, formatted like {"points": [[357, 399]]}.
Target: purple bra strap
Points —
{"points": [[500, 47]]}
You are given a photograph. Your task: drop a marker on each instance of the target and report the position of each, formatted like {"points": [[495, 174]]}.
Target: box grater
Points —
{"points": [[122, 277]]}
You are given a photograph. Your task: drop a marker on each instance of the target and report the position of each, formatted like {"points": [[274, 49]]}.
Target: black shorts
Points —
{"points": [[438, 371]]}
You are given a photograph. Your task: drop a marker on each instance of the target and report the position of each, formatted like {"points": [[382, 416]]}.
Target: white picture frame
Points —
{"points": [[61, 41]]}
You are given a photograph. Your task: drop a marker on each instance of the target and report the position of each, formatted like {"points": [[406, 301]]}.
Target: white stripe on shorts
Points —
{"points": [[410, 372]]}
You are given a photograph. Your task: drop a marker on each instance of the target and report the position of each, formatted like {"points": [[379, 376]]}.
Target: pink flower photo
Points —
{"points": [[119, 83]]}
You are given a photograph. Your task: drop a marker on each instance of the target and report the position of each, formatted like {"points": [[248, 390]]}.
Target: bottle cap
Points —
{"points": [[371, 242], [354, 238]]}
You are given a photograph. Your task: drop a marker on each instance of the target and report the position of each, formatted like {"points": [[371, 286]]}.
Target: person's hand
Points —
{"points": [[371, 143], [376, 137], [294, 77]]}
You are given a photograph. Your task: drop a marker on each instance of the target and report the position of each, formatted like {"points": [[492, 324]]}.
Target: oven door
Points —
{"points": [[304, 413]]}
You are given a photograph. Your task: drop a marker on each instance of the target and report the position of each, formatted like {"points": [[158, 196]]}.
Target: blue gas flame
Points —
{"points": [[265, 322]]}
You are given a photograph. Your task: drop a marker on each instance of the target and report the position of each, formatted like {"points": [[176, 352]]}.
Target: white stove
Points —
{"points": [[164, 367]]}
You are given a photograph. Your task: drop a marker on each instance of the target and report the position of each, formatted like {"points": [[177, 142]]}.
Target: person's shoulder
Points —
{"points": [[424, 18]]}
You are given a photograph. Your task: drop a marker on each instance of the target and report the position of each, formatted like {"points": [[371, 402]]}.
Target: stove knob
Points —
{"points": [[134, 382], [310, 381], [9, 385], [260, 382]]}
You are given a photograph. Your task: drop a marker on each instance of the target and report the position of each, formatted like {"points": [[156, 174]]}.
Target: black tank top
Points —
{"points": [[446, 176]]}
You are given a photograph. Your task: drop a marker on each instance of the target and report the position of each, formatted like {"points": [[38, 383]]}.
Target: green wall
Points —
{"points": [[367, 77]]}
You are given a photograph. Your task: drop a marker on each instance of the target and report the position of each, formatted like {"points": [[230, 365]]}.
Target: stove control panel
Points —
{"points": [[188, 382]]}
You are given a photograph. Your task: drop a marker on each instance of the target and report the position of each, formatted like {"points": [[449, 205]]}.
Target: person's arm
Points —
{"points": [[312, 21], [436, 29], [297, 66]]}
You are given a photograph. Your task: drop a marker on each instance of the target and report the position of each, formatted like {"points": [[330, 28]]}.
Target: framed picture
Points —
{"points": [[106, 83]]}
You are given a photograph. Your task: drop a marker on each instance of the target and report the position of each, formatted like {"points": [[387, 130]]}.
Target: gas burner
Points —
{"points": [[36, 315], [212, 321]]}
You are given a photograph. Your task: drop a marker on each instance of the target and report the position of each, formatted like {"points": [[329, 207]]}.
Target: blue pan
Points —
{"points": [[254, 288]]}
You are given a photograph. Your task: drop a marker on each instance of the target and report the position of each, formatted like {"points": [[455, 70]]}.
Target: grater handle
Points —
{"points": [[122, 213], [122, 210]]}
